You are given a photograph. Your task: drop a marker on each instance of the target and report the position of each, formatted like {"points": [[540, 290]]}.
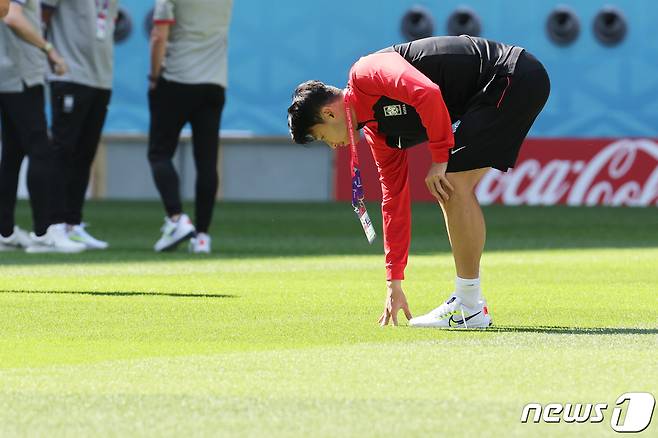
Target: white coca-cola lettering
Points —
{"points": [[550, 186], [628, 194], [512, 182], [650, 192], [620, 155], [530, 183]]}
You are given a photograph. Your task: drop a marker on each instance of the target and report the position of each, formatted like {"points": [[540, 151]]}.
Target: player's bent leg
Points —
{"points": [[465, 222], [465, 308]]}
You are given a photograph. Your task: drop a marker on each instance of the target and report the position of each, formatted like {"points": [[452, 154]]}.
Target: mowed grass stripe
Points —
{"points": [[478, 379]]}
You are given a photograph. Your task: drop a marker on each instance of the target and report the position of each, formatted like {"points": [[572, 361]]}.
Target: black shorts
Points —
{"points": [[492, 130]]}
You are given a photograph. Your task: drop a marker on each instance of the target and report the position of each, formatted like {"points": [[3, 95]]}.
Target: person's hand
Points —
{"points": [[437, 182], [395, 300], [57, 63], [153, 82]]}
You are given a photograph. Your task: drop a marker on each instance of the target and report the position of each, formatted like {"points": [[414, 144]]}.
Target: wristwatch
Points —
{"points": [[47, 48]]}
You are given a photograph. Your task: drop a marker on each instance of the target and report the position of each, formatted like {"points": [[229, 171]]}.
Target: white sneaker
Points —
{"points": [[18, 239], [55, 240], [77, 233], [200, 244], [174, 233], [454, 314]]}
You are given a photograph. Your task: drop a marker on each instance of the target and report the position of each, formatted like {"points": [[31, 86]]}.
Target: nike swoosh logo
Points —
{"points": [[461, 322], [453, 151]]}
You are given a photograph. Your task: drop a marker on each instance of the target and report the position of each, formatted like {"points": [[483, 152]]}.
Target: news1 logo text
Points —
{"points": [[632, 412]]}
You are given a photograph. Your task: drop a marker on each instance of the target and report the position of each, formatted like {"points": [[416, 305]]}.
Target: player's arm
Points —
{"points": [[159, 37], [19, 24], [389, 74], [4, 8], [396, 213], [396, 203], [163, 18]]}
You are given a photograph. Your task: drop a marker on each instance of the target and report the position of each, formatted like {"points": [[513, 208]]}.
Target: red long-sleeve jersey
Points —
{"points": [[397, 106]]}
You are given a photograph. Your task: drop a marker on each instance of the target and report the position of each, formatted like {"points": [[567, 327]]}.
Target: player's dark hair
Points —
{"points": [[304, 112]]}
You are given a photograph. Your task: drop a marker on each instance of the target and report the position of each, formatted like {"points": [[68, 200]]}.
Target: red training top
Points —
{"points": [[384, 89]]}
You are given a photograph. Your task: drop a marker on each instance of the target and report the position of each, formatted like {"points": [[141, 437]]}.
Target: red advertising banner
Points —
{"points": [[598, 171]]}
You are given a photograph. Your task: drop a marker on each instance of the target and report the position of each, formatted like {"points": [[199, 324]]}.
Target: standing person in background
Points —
{"points": [[187, 84], [23, 53], [83, 31]]}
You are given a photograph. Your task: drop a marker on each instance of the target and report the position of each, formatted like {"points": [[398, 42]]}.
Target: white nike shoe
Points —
{"points": [[19, 239], [454, 314], [174, 233], [78, 233], [56, 239], [200, 244]]}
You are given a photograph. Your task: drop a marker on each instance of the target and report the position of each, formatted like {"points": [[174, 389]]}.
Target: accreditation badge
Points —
{"points": [[366, 223], [101, 27]]}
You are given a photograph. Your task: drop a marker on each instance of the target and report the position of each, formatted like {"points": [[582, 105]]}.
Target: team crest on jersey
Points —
{"points": [[395, 110]]}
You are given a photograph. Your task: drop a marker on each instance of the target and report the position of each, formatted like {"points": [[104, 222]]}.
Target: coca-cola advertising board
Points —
{"points": [[601, 171]]}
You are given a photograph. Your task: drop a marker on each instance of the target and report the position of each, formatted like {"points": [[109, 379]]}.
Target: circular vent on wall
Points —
{"points": [[464, 21], [123, 27], [563, 26], [610, 26], [417, 23]]}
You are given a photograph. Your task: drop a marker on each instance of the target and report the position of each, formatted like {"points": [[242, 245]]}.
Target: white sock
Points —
{"points": [[468, 290]]}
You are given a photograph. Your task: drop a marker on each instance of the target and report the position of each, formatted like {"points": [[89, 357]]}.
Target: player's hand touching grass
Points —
{"points": [[395, 300], [437, 182]]}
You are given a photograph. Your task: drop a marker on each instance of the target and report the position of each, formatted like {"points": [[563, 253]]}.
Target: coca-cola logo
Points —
{"points": [[578, 172]]}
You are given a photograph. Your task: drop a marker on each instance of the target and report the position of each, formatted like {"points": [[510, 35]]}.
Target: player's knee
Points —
{"points": [[462, 187]]}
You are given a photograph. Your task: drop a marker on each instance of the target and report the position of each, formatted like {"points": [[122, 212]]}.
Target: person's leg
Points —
{"points": [[465, 222], [205, 123], [30, 120], [168, 116], [84, 153], [10, 165], [466, 232], [69, 107]]}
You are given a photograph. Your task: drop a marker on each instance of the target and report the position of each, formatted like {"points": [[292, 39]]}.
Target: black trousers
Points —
{"points": [[78, 116], [172, 105], [24, 133]]}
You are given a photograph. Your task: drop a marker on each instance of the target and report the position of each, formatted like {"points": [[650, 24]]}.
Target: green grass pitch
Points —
{"points": [[275, 334]]}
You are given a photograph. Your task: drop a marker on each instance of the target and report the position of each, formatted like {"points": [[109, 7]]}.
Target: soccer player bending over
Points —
{"points": [[473, 101]]}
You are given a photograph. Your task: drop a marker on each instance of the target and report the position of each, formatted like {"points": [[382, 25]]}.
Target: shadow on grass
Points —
{"points": [[573, 330], [120, 294]]}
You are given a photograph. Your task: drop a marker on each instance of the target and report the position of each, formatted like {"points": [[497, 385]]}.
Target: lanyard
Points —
{"points": [[102, 8], [357, 187]]}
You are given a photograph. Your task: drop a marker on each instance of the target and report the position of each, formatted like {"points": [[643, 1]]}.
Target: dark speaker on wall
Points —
{"points": [[562, 26], [610, 26], [464, 21], [417, 23], [123, 27]]}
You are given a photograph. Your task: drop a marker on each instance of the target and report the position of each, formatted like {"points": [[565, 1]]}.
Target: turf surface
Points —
{"points": [[275, 335]]}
